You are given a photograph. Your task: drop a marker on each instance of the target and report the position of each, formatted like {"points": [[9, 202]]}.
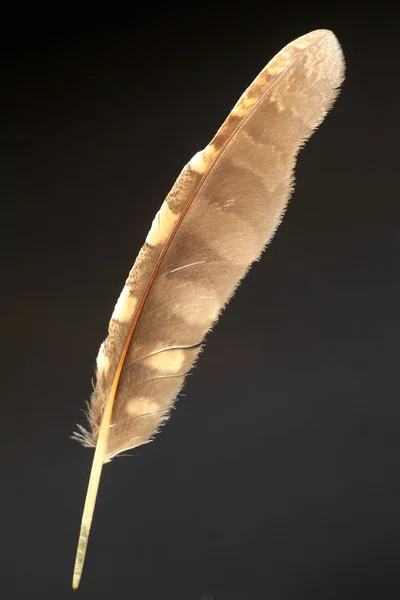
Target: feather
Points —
{"points": [[219, 216]]}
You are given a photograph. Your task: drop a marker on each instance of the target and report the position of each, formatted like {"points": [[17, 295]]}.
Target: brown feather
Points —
{"points": [[221, 213]]}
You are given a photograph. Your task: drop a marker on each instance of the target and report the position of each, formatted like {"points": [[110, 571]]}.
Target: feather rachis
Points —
{"points": [[218, 218]]}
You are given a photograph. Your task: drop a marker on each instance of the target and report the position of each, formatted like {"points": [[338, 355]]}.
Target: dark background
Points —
{"points": [[278, 475]]}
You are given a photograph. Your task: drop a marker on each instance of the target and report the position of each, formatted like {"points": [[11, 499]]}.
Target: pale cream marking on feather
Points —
{"points": [[203, 159], [229, 203], [285, 60], [199, 262], [167, 362], [140, 405], [282, 93], [202, 304], [102, 362], [312, 70], [282, 61], [226, 204], [125, 306], [243, 106], [279, 97], [256, 150], [162, 225]]}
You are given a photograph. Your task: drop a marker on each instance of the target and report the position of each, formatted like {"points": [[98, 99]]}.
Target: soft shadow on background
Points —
{"points": [[278, 474]]}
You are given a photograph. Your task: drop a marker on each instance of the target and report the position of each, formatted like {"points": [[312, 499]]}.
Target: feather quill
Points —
{"points": [[219, 216]]}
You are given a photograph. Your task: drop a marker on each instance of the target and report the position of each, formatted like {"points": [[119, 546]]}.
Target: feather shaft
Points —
{"points": [[91, 495]]}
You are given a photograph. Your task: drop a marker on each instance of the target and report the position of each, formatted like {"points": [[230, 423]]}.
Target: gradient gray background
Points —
{"points": [[278, 474]]}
